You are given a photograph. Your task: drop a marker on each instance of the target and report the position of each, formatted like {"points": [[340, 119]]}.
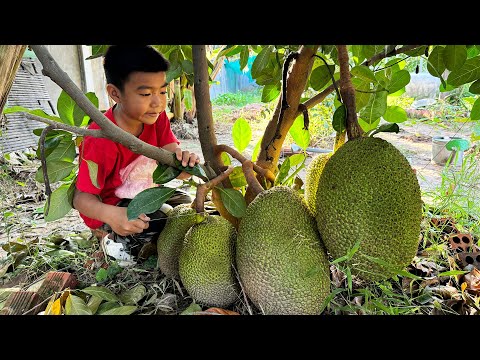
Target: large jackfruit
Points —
{"points": [[169, 244], [312, 176], [282, 264], [206, 262], [369, 193]]}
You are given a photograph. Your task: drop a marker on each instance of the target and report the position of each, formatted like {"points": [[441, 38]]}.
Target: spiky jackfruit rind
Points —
{"points": [[170, 241], [282, 264], [368, 192], [206, 262], [312, 177]]}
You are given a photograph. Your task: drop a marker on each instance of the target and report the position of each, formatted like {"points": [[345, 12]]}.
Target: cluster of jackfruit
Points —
{"points": [[365, 194]]}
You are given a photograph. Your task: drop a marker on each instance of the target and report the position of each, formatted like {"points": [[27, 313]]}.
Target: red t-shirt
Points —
{"points": [[112, 158]]}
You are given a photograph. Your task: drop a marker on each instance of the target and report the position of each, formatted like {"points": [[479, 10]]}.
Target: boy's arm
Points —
{"points": [[187, 158], [115, 216]]}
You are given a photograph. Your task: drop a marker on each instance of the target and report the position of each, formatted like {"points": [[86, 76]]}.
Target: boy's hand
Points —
{"points": [[120, 224], [187, 158]]}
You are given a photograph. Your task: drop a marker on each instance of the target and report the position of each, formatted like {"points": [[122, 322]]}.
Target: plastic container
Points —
{"points": [[440, 154]]}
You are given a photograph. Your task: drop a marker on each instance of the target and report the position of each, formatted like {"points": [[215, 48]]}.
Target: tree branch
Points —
{"points": [[317, 99], [109, 129], [204, 188], [267, 174]]}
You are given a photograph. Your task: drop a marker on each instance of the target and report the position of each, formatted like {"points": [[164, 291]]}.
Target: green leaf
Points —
{"points": [[321, 76], [133, 295], [80, 118], [226, 158], [436, 64], [395, 114], [283, 172], [271, 92], [60, 202], [457, 145], [444, 87], [196, 170], [121, 310], [299, 135], [174, 72], [376, 107], [165, 173], [93, 172], [101, 275], [475, 87], [233, 201], [364, 73], [256, 150], [51, 143], [339, 122], [399, 80], [65, 106], [362, 93], [74, 305], [192, 308], [386, 128], [37, 112], [101, 292], [261, 61], [366, 126], [470, 71], [296, 159], [187, 99], [476, 132], [97, 51], [244, 54], [65, 151], [454, 56], [237, 177], [106, 306], [452, 273], [187, 66], [241, 134], [475, 112], [148, 201], [94, 302]]}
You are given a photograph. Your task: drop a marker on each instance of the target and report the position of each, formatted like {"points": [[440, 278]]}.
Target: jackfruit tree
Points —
{"points": [[361, 78]]}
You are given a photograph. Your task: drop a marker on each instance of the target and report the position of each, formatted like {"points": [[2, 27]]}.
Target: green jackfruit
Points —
{"points": [[282, 264], [369, 193], [180, 219], [206, 262], [312, 176]]}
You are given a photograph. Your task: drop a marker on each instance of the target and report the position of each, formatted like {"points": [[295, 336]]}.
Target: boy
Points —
{"points": [[136, 81]]}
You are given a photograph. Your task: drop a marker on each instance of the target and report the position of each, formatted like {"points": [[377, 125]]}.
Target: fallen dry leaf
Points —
{"points": [[473, 280]]}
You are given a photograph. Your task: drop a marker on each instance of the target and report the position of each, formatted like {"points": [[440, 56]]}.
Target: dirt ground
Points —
{"points": [[414, 141]]}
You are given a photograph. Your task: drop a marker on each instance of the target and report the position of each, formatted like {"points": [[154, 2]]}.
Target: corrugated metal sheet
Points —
{"points": [[28, 90]]}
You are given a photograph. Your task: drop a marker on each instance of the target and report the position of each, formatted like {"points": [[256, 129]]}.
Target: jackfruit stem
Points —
{"points": [[203, 189]]}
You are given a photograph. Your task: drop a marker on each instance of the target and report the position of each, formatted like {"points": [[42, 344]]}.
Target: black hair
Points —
{"points": [[121, 60]]}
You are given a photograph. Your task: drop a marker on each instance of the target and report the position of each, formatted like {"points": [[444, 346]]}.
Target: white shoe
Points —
{"points": [[117, 251]]}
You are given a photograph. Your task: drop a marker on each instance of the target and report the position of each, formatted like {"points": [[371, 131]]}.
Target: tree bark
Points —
{"points": [[272, 141], [10, 59], [206, 130], [348, 94]]}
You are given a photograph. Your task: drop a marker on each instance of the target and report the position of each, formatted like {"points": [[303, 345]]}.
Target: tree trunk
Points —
{"points": [[206, 130], [10, 59]]}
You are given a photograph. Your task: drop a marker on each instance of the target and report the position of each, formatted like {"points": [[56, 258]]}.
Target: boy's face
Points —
{"points": [[144, 96]]}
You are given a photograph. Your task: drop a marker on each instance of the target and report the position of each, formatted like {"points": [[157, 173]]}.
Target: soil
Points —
{"points": [[414, 141]]}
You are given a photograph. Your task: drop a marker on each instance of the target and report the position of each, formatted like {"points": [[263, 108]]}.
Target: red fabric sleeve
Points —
{"points": [[164, 132], [104, 153]]}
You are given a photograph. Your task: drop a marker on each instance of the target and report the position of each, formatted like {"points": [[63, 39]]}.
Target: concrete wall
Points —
{"points": [[72, 62]]}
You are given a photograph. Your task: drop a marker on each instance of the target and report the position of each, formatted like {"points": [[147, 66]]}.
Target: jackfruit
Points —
{"points": [[282, 264], [180, 219], [369, 193], [206, 262], [312, 176]]}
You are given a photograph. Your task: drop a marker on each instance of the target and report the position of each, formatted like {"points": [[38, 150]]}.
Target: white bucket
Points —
{"points": [[440, 154]]}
